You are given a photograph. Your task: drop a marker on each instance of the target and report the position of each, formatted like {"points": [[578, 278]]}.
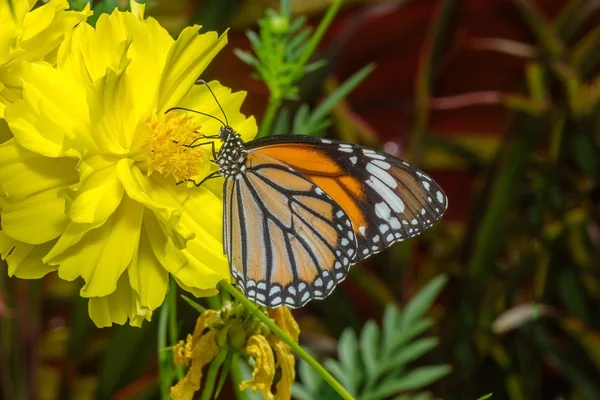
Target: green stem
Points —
{"points": [[211, 375], [250, 306], [165, 371], [269, 117], [321, 29], [173, 331]]}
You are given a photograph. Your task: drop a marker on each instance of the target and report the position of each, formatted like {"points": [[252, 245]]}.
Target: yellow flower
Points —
{"points": [[89, 181], [30, 36], [234, 328]]}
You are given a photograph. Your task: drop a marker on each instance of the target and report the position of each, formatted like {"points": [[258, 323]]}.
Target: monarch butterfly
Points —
{"points": [[300, 210]]}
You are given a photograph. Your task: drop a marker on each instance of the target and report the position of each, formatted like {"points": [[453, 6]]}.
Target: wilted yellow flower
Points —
{"points": [[198, 350], [90, 178], [26, 36], [272, 353], [234, 328]]}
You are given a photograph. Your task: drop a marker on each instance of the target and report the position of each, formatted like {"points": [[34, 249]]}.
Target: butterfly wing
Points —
{"points": [[287, 241], [386, 199]]}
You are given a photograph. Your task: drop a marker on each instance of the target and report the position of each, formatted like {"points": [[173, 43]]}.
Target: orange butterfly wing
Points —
{"points": [[386, 199]]}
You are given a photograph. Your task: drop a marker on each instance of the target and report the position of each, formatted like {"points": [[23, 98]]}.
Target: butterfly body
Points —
{"points": [[300, 210]]}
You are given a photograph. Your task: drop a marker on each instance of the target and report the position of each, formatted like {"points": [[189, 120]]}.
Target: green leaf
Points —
{"points": [[369, 340], [341, 92], [309, 377], [224, 372], [285, 8], [349, 358], [192, 303], [254, 40], [374, 366], [246, 57], [314, 66], [282, 123], [541, 28], [391, 320], [413, 380], [409, 353], [301, 118], [338, 372], [301, 393], [407, 333], [348, 350], [487, 396], [421, 303]]}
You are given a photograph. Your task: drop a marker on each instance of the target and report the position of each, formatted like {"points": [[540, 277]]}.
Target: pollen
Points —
{"points": [[172, 147]]}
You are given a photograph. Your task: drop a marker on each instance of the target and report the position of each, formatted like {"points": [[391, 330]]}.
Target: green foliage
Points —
{"points": [[377, 364], [282, 49]]}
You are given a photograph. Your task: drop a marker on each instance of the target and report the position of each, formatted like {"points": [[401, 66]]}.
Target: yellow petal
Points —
{"points": [[148, 53], [44, 28], [147, 276], [5, 133], [71, 236], [285, 320], [113, 308], [112, 115], [24, 260], [204, 350], [140, 189], [203, 215], [264, 366], [97, 198], [169, 256], [187, 59], [182, 352], [35, 219], [77, 55], [137, 9], [18, 165], [103, 253], [195, 291], [285, 362], [53, 107]]}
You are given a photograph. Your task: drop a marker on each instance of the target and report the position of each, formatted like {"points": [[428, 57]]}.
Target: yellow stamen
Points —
{"points": [[167, 148]]}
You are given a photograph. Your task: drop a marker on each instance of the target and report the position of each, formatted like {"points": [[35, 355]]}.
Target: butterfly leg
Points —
{"points": [[212, 175], [212, 146]]}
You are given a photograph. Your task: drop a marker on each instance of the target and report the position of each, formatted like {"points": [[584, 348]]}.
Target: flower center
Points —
{"points": [[167, 149]]}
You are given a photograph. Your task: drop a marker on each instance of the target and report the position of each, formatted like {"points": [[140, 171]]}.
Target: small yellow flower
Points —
{"points": [[235, 329], [30, 36], [89, 181]]}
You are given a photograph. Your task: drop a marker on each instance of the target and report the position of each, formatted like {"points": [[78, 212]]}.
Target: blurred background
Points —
{"points": [[499, 101]]}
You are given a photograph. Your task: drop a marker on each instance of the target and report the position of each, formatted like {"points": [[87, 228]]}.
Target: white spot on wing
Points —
{"points": [[382, 210], [387, 194], [440, 197], [383, 175], [382, 164]]}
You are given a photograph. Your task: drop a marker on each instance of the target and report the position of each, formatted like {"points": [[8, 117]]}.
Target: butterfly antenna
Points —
{"points": [[197, 112], [203, 82]]}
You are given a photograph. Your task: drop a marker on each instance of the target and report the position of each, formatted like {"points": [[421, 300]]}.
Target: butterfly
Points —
{"points": [[300, 210]]}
